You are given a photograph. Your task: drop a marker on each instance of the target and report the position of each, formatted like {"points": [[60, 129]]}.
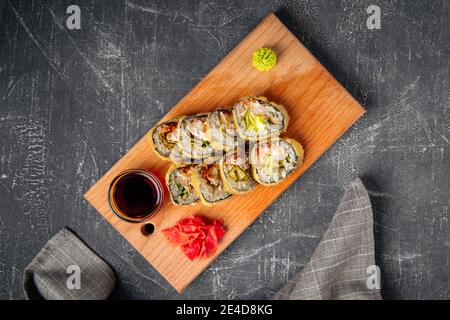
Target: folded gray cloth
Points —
{"points": [[66, 269], [338, 268]]}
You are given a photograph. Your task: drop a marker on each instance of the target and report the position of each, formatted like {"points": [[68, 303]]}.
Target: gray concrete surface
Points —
{"points": [[72, 102]]}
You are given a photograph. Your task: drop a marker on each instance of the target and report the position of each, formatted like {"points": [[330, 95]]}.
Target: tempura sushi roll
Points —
{"points": [[163, 139], [209, 185], [272, 161], [179, 181], [193, 136], [223, 135], [178, 157], [236, 171], [256, 118]]}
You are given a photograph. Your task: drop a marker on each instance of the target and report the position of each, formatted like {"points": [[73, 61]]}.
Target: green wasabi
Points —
{"points": [[264, 59]]}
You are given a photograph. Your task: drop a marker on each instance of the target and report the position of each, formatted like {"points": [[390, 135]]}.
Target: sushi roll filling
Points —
{"points": [[237, 168], [236, 172], [222, 127], [194, 137], [274, 161], [212, 187], [181, 187], [165, 138], [259, 117]]}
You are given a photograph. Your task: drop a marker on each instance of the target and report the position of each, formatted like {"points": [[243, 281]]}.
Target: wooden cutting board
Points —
{"points": [[321, 111]]}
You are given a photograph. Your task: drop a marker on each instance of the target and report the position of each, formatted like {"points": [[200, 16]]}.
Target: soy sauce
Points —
{"points": [[136, 195]]}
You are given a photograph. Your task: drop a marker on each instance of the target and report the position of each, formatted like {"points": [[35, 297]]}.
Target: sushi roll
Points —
{"points": [[178, 157], [222, 130], [236, 172], [256, 118], [272, 161], [163, 139], [179, 181], [209, 185], [193, 136]]}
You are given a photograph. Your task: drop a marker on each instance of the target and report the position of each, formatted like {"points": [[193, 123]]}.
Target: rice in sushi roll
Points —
{"points": [[222, 132], [193, 136], [209, 184], [272, 161], [179, 181], [256, 118], [236, 171], [163, 139]]}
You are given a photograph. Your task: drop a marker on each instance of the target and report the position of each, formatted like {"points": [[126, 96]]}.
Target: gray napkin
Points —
{"points": [[66, 269], [338, 266]]}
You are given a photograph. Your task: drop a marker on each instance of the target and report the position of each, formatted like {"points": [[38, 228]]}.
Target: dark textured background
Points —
{"points": [[72, 102]]}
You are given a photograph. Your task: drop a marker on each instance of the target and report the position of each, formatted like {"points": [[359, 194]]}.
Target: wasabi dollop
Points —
{"points": [[264, 59]]}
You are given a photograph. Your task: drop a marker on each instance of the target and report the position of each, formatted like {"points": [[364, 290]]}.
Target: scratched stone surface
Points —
{"points": [[72, 102]]}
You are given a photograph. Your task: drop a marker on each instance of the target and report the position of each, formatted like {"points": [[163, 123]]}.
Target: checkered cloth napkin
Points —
{"points": [[338, 268], [66, 269]]}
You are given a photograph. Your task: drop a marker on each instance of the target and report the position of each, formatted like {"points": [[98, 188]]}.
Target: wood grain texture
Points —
{"points": [[321, 111]]}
